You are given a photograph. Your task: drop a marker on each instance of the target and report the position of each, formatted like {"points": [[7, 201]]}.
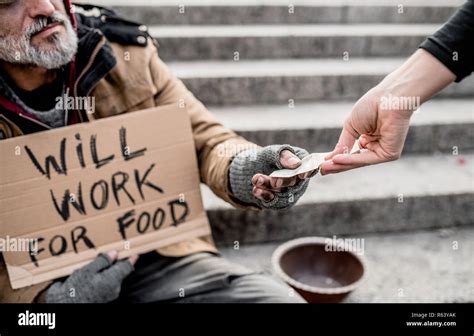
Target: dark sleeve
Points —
{"points": [[453, 44]]}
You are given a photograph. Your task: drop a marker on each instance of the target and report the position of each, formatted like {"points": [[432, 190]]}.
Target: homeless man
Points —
{"points": [[49, 49]]}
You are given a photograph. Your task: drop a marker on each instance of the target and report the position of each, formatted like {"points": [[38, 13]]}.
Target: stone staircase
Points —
{"points": [[280, 73]]}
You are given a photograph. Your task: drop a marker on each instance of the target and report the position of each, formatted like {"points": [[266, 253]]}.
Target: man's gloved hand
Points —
{"points": [[251, 184], [97, 282]]}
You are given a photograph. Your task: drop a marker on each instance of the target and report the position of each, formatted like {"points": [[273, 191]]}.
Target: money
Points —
{"points": [[309, 163], [356, 148]]}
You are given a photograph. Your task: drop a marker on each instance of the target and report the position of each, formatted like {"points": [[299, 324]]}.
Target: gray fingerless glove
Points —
{"points": [[97, 282], [264, 160]]}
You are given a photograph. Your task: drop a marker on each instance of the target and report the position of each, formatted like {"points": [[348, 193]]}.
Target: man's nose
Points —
{"points": [[40, 8]]}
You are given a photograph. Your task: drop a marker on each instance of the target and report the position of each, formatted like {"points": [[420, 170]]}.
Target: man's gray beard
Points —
{"points": [[19, 50]]}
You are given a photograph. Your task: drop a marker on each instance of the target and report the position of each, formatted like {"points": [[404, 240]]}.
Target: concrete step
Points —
{"points": [[415, 192], [438, 126], [433, 266], [278, 12], [278, 81], [289, 41]]}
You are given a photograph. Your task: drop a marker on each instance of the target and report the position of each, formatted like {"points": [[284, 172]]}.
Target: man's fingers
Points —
{"points": [[133, 259], [293, 181], [272, 183], [102, 262], [119, 270], [112, 255], [275, 184], [262, 181], [278, 182], [289, 160], [302, 176], [306, 175], [262, 194]]}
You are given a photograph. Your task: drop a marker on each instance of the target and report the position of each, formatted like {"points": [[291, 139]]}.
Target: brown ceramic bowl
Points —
{"points": [[317, 275]]}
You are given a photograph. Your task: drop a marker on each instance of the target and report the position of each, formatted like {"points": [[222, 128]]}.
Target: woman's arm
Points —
{"points": [[443, 58]]}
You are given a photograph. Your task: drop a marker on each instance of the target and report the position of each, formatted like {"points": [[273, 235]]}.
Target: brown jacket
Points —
{"points": [[139, 81]]}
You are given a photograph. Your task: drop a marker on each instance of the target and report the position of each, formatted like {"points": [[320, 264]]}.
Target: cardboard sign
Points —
{"points": [[128, 183]]}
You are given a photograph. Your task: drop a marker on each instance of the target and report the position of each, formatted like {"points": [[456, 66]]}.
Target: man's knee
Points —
{"points": [[261, 288]]}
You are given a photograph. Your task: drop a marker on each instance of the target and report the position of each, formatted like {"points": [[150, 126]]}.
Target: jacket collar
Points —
{"points": [[95, 59]]}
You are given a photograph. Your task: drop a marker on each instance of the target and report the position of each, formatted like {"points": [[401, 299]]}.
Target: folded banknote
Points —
{"points": [[309, 163]]}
